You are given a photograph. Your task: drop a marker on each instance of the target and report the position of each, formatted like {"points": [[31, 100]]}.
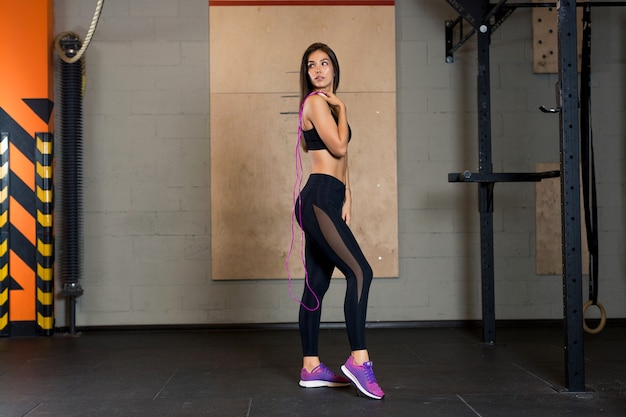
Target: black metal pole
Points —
{"points": [[570, 198], [485, 190]]}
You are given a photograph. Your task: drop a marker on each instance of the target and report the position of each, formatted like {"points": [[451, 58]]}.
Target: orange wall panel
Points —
{"points": [[26, 100], [26, 49]]}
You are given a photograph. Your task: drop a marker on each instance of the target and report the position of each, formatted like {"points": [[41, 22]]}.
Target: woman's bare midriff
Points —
{"points": [[322, 162]]}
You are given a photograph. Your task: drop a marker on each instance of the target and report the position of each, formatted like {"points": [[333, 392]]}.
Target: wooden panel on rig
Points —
{"points": [[549, 234], [545, 39]]}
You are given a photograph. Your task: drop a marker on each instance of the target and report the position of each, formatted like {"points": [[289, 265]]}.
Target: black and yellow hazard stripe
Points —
{"points": [[26, 103], [4, 234], [22, 236], [45, 236]]}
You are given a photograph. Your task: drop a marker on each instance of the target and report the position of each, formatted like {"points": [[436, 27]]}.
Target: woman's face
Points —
{"points": [[321, 72]]}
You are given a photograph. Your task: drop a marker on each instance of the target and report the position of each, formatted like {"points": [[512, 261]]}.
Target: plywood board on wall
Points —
{"points": [[545, 38], [255, 56], [549, 252]]}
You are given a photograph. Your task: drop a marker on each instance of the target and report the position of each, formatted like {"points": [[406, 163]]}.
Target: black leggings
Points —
{"points": [[329, 244]]}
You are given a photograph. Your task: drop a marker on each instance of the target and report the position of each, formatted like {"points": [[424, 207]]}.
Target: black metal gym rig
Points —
{"points": [[485, 18]]}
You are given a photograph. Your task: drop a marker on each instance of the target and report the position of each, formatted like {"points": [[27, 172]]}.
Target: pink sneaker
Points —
{"points": [[321, 376], [363, 377]]}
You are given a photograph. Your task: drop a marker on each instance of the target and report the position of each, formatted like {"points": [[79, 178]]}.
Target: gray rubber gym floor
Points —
{"points": [[430, 372]]}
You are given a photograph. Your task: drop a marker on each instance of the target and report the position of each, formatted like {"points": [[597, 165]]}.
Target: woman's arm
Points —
{"points": [[334, 135]]}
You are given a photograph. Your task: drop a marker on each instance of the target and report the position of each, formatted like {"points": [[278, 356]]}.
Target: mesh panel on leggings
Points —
{"points": [[334, 240]]}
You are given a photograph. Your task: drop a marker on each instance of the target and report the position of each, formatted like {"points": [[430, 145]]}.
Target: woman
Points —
{"points": [[323, 213]]}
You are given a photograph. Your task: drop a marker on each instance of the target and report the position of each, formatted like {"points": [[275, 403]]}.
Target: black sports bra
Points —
{"points": [[313, 140]]}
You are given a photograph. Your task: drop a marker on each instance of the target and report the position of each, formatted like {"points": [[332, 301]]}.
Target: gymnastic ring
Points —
{"points": [[602, 318]]}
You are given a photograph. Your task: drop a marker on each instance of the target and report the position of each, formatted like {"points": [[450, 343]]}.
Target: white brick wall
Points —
{"points": [[146, 167]]}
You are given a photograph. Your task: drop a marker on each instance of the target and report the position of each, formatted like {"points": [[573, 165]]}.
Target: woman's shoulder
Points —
{"points": [[315, 99], [316, 103]]}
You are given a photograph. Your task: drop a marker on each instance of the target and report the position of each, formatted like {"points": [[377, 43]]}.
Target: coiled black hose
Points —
{"points": [[71, 138]]}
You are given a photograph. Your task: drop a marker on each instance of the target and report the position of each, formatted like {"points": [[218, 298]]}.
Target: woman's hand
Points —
{"points": [[333, 100], [346, 210]]}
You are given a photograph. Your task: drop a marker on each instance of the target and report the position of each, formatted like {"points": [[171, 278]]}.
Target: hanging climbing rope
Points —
{"points": [[589, 174], [79, 54]]}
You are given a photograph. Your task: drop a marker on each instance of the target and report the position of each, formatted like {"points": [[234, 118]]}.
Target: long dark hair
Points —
{"points": [[305, 81]]}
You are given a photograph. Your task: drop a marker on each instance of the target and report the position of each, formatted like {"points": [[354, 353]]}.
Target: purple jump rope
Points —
{"points": [[296, 197]]}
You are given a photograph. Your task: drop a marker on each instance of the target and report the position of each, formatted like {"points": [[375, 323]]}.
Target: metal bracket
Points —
{"points": [[482, 16], [557, 93], [489, 179], [492, 177]]}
